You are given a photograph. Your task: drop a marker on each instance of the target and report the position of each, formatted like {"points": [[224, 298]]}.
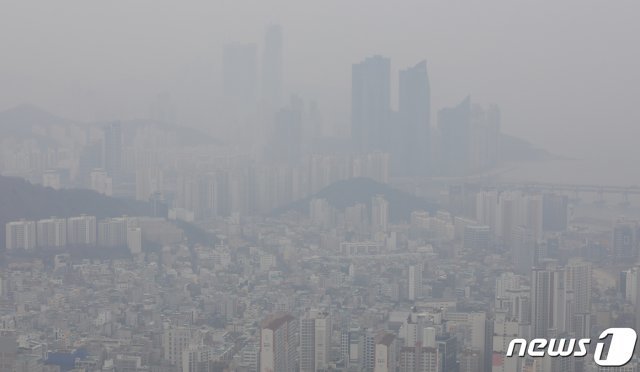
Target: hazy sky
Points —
{"points": [[565, 73]]}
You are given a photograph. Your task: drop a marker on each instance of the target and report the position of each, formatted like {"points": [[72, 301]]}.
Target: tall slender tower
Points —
{"points": [[415, 282], [370, 104], [412, 151]]}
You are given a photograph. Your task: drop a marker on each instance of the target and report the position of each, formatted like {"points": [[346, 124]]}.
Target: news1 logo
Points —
{"points": [[621, 347]]}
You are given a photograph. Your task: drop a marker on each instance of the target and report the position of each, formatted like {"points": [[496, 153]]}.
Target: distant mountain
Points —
{"points": [[21, 199], [29, 121], [515, 149], [343, 194], [21, 122], [185, 136]]}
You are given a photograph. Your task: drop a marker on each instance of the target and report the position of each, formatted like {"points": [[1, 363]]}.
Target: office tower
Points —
{"points": [[52, 233], [81, 230], [477, 238], [379, 213], [385, 353], [112, 149], [555, 209], [20, 235], [272, 69], [239, 66], [174, 341], [549, 313], [315, 341], [412, 134], [523, 250], [279, 344], [625, 240], [454, 125], [415, 282], [470, 330], [370, 104], [447, 345]]}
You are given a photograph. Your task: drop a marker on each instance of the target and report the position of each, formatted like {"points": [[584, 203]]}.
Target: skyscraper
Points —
{"points": [[272, 70], [412, 150], [549, 312], [370, 103], [279, 344], [315, 341]]}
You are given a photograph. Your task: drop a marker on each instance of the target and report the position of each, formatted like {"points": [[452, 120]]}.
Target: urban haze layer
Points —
{"points": [[312, 186]]}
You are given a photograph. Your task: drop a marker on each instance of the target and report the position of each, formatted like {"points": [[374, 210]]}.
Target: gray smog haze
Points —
{"points": [[565, 74]]}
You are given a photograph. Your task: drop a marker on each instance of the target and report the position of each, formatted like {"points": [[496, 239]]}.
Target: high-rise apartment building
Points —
{"points": [[81, 230], [20, 235], [315, 341], [175, 341], [415, 282], [379, 214], [385, 353], [279, 344], [52, 232]]}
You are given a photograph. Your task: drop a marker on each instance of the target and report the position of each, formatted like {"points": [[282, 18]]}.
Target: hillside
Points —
{"points": [[343, 194], [21, 199]]}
